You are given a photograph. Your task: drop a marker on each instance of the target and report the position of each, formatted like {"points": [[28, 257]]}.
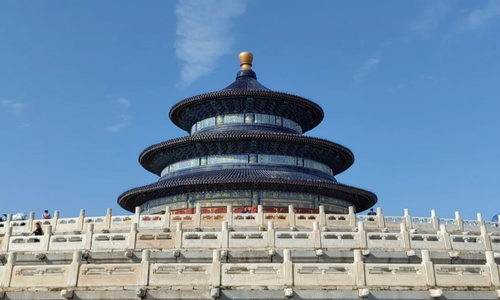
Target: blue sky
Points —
{"points": [[411, 87]]}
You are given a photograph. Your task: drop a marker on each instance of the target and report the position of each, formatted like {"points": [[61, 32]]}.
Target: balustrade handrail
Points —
{"points": [[312, 237], [291, 219]]}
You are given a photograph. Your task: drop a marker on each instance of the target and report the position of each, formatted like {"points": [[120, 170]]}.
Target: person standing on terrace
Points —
{"points": [[46, 215], [38, 230]]}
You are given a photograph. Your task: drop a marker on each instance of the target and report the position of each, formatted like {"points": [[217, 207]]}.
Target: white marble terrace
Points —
{"points": [[147, 251], [246, 230]]}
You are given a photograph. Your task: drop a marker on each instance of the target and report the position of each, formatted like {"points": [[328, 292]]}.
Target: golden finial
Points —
{"points": [[246, 59]]}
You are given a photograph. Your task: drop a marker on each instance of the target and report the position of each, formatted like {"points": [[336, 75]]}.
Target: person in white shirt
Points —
{"points": [[46, 215]]}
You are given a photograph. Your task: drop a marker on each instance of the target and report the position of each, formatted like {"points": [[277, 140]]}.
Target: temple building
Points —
{"points": [[192, 236], [246, 148]]}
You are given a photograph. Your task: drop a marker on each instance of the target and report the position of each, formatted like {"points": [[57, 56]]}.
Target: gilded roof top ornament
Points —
{"points": [[246, 59]]}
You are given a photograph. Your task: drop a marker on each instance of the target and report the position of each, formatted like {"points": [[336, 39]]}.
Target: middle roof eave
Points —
{"points": [[158, 156]]}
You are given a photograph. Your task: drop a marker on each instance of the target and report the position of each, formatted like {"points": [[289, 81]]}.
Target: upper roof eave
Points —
{"points": [[176, 111]]}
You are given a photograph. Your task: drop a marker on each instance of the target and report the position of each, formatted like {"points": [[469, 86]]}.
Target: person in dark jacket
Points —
{"points": [[371, 213], [38, 230]]}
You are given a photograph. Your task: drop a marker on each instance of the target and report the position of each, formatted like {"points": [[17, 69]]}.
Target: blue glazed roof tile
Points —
{"points": [[250, 173], [246, 80]]}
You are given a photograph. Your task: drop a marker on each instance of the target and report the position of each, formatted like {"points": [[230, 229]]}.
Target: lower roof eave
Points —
{"points": [[361, 199]]}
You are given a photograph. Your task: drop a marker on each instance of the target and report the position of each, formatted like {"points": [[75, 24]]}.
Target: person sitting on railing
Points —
{"points": [[38, 230], [371, 213], [244, 210], [46, 215]]}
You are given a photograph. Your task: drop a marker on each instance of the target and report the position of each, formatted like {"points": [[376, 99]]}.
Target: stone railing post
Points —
{"points": [[6, 239], [229, 215], [74, 269], [260, 215], [145, 265], [271, 238], [405, 237], [47, 236], [107, 218], [9, 268], [480, 219], [322, 216], [316, 235], [359, 268], [408, 220], [136, 218], [167, 217], [459, 221], [288, 267], [7, 222], [428, 268], [435, 220], [363, 239], [485, 236], [197, 216], [225, 235], [216, 269], [132, 237], [81, 220], [445, 236], [291, 216], [89, 235], [380, 218], [494, 274], [353, 219], [30, 223], [55, 220], [178, 235]]}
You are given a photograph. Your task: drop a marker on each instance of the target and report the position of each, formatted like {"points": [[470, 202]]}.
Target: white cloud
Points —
{"points": [[25, 125], [123, 101], [368, 65], [15, 107], [425, 78], [203, 34], [476, 19], [430, 18], [371, 63], [398, 87], [480, 17], [125, 121], [413, 82]]}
